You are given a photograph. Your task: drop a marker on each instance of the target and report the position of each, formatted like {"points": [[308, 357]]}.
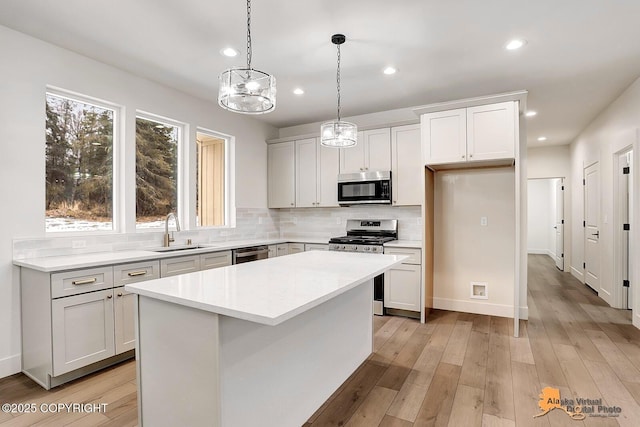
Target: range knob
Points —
{"points": [[367, 248]]}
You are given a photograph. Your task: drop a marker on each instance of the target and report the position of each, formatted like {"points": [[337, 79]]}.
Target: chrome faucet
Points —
{"points": [[169, 238]]}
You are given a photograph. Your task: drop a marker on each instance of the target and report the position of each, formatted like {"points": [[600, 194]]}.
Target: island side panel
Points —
{"points": [[177, 351], [280, 375]]}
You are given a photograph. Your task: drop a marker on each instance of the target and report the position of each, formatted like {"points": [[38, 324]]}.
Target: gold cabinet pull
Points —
{"points": [[119, 294], [137, 273], [109, 296], [84, 282]]}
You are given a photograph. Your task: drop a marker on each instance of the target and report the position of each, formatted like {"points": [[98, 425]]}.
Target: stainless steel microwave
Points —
{"points": [[364, 188]]}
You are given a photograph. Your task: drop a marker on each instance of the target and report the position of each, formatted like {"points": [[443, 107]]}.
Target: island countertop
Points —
{"points": [[269, 291]]}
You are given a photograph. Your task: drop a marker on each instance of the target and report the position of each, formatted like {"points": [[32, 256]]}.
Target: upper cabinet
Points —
{"points": [[281, 176], [473, 135], [407, 169], [316, 179], [371, 153], [302, 174]]}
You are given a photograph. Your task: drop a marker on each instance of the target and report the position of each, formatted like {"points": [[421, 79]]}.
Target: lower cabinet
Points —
{"points": [[282, 249], [294, 248], [124, 320], [179, 265], [315, 247], [215, 260], [402, 283]]}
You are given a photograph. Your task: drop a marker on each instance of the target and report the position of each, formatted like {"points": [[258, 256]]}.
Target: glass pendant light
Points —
{"points": [[246, 90], [338, 133]]}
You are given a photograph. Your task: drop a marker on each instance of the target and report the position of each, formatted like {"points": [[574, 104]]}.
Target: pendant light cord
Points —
{"points": [[248, 34], [338, 82]]}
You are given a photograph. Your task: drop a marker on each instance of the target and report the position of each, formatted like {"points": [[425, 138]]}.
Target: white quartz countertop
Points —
{"points": [[417, 244], [272, 290]]}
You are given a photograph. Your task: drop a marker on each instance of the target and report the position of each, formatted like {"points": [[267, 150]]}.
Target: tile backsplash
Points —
{"points": [[251, 223]]}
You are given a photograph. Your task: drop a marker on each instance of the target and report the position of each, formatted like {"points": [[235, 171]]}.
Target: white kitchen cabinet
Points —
{"points": [[179, 265], [82, 330], [282, 249], [407, 169], [306, 162], [328, 170], [371, 153], [402, 283], [80, 281], [281, 175], [316, 247], [295, 248], [215, 260], [273, 251], [123, 274], [124, 320], [470, 135]]}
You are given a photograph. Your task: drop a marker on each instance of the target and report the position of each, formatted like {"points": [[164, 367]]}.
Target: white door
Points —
{"points": [[592, 226], [328, 170], [306, 176], [559, 225], [491, 131], [352, 158], [281, 171], [626, 201], [124, 322]]}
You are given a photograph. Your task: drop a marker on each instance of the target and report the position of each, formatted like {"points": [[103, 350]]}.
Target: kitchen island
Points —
{"points": [[262, 343]]}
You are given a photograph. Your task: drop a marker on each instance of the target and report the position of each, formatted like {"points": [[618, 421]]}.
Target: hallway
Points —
{"points": [[459, 369]]}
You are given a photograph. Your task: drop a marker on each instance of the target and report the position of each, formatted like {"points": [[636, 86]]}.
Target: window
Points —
{"points": [[157, 144], [79, 164], [211, 182]]}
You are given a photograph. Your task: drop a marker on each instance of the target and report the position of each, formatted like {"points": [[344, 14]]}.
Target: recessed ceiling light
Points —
{"points": [[531, 113], [515, 44], [229, 51], [298, 91], [542, 138], [389, 70]]}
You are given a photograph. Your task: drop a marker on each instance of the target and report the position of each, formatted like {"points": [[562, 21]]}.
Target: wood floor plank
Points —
{"points": [[373, 408], [390, 350], [521, 350], [466, 409], [389, 421], [457, 346], [436, 408], [498, 398], [425, 367], [386, 332], [493, 421], [618, 361], [408, 401], [526, 394], [401, 366], [547, 364], [474, 367]]}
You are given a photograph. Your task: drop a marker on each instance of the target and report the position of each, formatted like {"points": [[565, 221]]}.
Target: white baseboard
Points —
{"points": [[524, 313], [538, 251], [577, 274], [486, 308], [10, 365]]}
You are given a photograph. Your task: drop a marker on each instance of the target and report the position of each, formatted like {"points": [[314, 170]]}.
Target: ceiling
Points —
{"points": [[580, 54]]}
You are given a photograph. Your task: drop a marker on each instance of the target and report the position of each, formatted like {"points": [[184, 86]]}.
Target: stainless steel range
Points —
{"points": [[368, 236]]}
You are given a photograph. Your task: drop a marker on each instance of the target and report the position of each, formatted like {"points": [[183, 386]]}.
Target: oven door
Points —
{"points": [[371, 191]]}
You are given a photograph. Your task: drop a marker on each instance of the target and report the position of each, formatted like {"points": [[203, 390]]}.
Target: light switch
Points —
{"points": [[483, 221]]}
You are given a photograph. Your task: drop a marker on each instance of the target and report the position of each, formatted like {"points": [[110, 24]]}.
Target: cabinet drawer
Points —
{"points": [[414, 254], [180, 265], [215, 260], [135, 272], [315, 247], [294, 248], [282, 249], [81, 281]]}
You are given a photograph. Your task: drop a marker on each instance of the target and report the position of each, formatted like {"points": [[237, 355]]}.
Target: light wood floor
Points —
{"points": [[458, 369]]}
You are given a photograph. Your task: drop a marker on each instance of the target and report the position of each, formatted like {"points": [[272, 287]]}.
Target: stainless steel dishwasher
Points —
{"points": [[252, 253]]}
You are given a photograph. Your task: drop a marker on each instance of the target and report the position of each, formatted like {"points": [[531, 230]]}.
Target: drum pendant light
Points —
{"points": [[338, 133], [246, 90]]}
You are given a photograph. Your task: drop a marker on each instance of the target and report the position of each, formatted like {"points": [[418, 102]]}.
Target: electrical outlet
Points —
{"points": [[484, 221], [78, 244]]}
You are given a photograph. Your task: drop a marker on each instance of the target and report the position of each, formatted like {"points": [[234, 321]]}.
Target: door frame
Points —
{"points": [[618, 233], [563, 181]]}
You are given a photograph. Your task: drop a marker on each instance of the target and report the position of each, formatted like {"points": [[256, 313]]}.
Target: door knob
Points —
{"points": [[555, 227]]}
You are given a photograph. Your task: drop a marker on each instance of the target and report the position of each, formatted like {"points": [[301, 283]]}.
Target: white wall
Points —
{"points": [[27, 67], [539, 214], [555, 162], [611, 131]]}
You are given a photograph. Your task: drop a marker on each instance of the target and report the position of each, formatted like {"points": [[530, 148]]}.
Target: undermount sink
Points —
{"points": [[179, 248]]}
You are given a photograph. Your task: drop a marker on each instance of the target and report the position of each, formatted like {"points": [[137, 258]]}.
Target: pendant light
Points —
{"points": [[246, 90], [338, 133]]}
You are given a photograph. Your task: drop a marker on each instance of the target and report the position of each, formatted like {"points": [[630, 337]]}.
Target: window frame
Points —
{"points": [[181, 181], [229, 174], [116, 168]]}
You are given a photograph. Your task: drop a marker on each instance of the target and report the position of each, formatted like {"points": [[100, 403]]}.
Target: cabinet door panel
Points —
{"points": [[124, 322], [491, 131], [352, 158], [294, 248], [215, 260], [402, 287], [407, 170], [82, 330], [281, 175], [306, 173], [377, 144], [179, 265], [328, 170], [282, 249], [444, 136]]}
